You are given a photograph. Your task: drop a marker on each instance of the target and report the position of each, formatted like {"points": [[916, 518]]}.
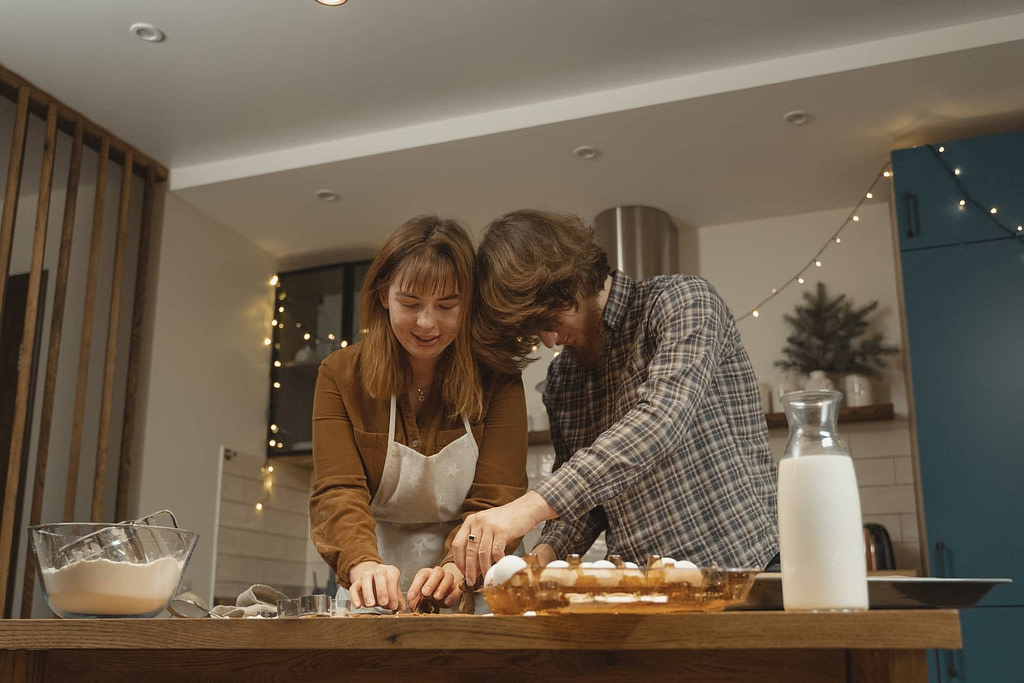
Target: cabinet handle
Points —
{"points": [[951, 664], [913, 219], [940, 559]]}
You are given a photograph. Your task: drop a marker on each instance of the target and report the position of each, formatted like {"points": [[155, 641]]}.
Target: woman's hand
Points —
{"points": [[375, 585], [444, 584], [482, 539]]}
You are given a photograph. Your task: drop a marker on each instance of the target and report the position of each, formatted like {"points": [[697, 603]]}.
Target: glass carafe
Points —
{"points": [[821, 534]]}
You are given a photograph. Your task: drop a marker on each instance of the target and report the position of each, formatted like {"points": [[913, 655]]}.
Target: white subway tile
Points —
{"points": [[232, 487], [229, 541], [905, 470], [908, 526], [886, 499], [875, 471]]}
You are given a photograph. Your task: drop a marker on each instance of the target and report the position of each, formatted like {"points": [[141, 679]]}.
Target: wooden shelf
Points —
{"points": [[882, 411]]}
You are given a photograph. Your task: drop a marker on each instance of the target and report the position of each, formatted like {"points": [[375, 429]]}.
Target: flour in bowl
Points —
{"points": [[110, 588]]}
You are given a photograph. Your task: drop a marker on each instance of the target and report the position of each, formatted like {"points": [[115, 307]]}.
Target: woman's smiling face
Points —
{"points": [[425, 323]]}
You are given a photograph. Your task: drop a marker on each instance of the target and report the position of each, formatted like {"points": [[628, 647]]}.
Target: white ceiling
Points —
{"points": [[471, 107]]}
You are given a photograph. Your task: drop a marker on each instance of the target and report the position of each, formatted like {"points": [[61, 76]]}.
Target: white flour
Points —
{"points": [[112, 588]]}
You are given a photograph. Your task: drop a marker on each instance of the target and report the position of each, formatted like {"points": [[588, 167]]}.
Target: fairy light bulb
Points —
{"points": [[956, 171], [267, 341], [818, 263], [270, 468], [887, 174], [268, 484], [277, 363], [274, 280], [344, 343], [277, 385], [259, 506], [1020, 228], [856, 219], [993, 211], [306, 336], [869, 195], [756, 313], [800, 280], [775, 290], [273, 428], [273, 323], [280, 309], [330, 335], [273, 442], [839, 240], [963, 203]]}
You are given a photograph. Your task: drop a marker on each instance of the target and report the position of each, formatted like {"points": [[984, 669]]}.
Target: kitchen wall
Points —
{"points": [[271, 545], [205, 383]]}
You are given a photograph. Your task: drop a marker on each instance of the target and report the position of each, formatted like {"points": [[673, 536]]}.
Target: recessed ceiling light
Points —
{"points": [[586, 152], [797, 117], [147, 32], [332, 3], [328, 195]]}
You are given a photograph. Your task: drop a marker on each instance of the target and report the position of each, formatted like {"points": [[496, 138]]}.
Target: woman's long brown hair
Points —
{"points": [[423, 255]]}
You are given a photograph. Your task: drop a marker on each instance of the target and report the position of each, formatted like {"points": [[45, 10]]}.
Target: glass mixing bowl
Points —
{"points": [[90, 570]]}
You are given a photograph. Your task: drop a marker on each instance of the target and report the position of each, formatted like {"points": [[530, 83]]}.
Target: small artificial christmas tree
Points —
{"points": [[829, 334]]}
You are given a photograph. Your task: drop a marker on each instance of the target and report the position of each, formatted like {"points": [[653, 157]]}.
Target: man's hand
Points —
{"points": [[375, 584], [444, 584], [482, 539]]}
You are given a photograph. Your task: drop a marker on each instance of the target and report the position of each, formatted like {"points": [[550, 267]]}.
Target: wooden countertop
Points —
{"points": [[876, 629]]}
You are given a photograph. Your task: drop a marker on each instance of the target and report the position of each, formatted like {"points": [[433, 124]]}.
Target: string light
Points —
{"points": [[852, 217], [967, 199], [274, 280]]}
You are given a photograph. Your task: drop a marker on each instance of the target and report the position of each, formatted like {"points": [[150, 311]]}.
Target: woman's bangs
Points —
{"points": [[427, 275]]}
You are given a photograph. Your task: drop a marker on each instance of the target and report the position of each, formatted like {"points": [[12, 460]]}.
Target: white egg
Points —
{"points": [[557, 564], [632, 565], [603, 564], [503, 570], [683, 564], [668, 561]]}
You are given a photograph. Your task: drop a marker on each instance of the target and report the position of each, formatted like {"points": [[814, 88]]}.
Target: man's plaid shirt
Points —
{"points": [[664, 446]]}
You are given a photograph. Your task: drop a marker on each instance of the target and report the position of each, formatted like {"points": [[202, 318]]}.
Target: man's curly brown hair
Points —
{"points": [[530, 265]]}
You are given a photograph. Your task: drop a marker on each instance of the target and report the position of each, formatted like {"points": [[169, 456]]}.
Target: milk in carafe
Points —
{"points": [[820, 529]]}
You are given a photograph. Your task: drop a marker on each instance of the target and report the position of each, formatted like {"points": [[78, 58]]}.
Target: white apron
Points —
{"points": [[419, 500]]}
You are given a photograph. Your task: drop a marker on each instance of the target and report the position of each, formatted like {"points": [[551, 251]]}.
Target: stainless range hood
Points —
{"points": [[641, 241]]}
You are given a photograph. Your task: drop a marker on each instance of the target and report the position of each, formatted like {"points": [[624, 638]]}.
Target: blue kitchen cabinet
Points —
{"points": [[963, 286]]}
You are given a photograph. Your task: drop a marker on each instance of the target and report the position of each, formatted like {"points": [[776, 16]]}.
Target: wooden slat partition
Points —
{"points": [[53, 357], [94, 133], [60, 118], [103, 443], [85, 345], [138, 314]]}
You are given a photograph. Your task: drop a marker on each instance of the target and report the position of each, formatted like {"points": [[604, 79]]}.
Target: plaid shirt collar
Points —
{"points": [[619, 296]]}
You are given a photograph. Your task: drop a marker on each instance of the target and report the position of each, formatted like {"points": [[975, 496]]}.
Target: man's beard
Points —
{"points": [[590, 353]]}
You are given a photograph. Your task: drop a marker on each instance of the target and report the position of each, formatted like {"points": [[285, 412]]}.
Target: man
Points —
{"points": [[656, 418]]}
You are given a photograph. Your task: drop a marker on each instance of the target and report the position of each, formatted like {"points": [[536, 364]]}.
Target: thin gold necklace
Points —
{"points": [[421, 396]]}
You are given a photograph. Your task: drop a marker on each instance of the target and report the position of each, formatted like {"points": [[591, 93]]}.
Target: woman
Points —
{"points": [[410, 435]]}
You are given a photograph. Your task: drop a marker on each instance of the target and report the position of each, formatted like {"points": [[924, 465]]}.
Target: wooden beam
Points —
{"points": [[113, 322], [124, 473], [53, 358], [81, 384], [10, 212]]}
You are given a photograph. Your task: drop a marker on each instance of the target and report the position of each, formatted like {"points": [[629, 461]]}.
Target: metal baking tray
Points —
{"points": [[886, 592]]}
